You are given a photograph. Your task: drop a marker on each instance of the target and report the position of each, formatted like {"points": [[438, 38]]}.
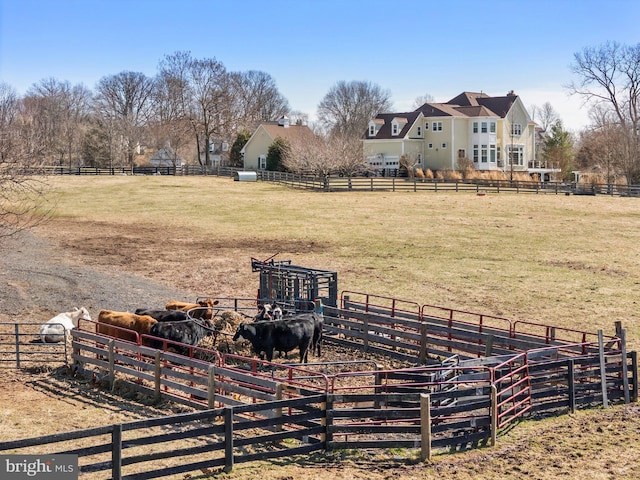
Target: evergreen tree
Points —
{"points": [[557, 148], [276, 154], [235, 157]]}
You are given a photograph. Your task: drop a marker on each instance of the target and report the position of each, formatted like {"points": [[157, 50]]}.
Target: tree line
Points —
{"points": [[193, 102]]}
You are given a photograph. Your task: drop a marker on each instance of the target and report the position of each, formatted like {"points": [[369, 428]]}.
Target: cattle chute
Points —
{"points": [[282, 281]]}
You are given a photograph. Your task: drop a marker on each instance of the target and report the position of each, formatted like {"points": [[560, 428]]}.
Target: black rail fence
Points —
{"points": [[468, 377], [337, 183]]}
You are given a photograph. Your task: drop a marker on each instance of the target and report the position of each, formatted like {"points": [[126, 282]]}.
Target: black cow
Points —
{"points": [[316, 317], [280, 335], [318, 327], [164, 315], [189, 332]]}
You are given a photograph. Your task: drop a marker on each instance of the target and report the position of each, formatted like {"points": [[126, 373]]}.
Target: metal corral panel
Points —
{"points": [[245, 177], [280, 280]]}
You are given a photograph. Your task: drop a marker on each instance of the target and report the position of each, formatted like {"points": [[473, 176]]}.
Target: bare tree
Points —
{"points": [[124, 101], [310, 155], [23, 201], [256, 99], [58, 113], [325, 155], [203, 93], [9, 109], [349, 106], [610, 76], [171, 123], [545, 116], [422, 99]]}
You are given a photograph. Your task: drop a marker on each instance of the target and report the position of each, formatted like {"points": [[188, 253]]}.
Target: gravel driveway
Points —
{"points": [[39, 280]]}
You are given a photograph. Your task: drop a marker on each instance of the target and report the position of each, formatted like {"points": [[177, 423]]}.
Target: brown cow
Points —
{"points": [[138, 323], [201, 309]]}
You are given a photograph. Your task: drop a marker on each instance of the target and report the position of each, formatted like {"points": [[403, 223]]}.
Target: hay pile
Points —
{"points": [[226, 324]]}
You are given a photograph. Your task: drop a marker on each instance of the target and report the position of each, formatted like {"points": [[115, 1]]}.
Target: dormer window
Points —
{"points": [[374, 126], [397, 124]]}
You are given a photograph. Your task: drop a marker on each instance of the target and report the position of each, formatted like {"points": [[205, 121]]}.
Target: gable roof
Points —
{"points": [[467, 104], [292, 132], [276, 130]]}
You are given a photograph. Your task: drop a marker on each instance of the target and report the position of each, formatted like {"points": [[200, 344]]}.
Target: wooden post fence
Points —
{"points": [[425, 426]]}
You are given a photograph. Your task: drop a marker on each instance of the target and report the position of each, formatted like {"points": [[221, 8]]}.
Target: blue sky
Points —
{"points": [[414, 48]]}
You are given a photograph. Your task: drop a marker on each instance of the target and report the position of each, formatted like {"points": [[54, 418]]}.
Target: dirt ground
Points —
{"points": [[55, 269]]}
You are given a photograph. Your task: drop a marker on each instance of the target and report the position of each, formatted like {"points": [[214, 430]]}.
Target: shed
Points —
{"points": [[245, 177]]}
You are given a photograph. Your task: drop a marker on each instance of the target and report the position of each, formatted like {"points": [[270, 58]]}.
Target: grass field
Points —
{"points": [[570, 261]]}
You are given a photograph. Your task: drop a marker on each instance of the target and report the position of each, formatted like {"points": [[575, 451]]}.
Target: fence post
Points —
{"points": [[634, 372], [75, 352], [488, 348], [365, 337], [17, 337], [328, 422], [425, 426], [228, 439], [603, 369], [156, 375], [116, 452], [112, 372], [211, 387], [571, 383], [277, 412], [494, 415], [625, 372], [423, 343]]}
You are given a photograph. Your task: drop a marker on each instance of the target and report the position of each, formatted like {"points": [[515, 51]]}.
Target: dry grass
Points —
{"points": [[559, 260], [570, 261]]}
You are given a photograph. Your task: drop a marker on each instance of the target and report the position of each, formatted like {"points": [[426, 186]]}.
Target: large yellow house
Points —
{"points": [[255, 150], [494, 133]]}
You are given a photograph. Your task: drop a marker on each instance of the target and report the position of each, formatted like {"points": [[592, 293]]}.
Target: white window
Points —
{"points": [[419, 131], [462, 153], [516, 129], [484, 127], [516, 156], [475, 154], [426, 126], [483, 154], [394, 129], [262, 162], [475, 127], [492, 153], [444, 145], [372, 130], [419, 159], [492, 127], [436, 127], [430, 146]]}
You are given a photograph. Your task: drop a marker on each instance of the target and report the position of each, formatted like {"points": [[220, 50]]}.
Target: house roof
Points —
{"points": [[292, 132], [385, 129], [467, 104], [277, 130]]}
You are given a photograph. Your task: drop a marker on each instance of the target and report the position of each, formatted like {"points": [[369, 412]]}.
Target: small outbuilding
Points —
{"points": [[245, 176]]}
